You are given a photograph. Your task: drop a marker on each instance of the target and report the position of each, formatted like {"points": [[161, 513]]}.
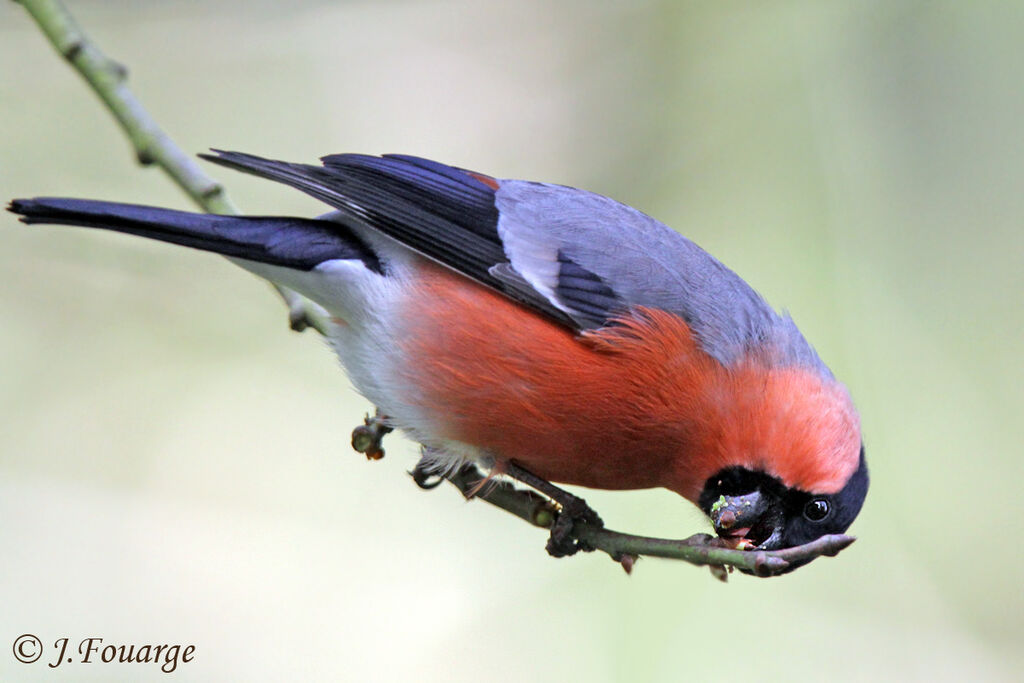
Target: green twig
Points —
{"points": [[700, 549], [152, 145]]}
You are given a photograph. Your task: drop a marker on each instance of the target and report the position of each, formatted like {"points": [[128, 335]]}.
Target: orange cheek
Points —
{"points": [[794, 424]]}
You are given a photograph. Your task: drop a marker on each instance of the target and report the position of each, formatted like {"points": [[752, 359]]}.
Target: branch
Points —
{"points": [[152, 145], [540, 511], [699, 549]]}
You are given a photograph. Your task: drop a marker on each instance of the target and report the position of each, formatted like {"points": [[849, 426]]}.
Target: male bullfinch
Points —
{"points": [[545, 329]]}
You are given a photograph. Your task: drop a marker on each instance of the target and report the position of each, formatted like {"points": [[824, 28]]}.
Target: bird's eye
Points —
{"points": [[816, 510]]}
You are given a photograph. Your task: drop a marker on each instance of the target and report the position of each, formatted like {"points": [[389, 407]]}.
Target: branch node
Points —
{"points": [[144, 156], [297, 320], [544, 514], [763, 565], [211, 191], [839, 544], [119, 70], [367, 437], [627, 560], [72, 50]]}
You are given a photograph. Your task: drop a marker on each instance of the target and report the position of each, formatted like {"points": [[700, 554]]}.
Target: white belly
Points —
{"points": [[368, 313]]}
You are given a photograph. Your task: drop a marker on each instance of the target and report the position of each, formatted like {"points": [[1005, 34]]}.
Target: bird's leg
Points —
{"points": [[573, 509], [366, 437]]}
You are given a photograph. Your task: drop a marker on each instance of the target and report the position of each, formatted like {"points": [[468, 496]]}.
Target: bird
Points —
{"points": [[544, 332]]}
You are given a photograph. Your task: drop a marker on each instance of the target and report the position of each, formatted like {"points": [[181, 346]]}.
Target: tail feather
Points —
{"points": [[299, 243]]}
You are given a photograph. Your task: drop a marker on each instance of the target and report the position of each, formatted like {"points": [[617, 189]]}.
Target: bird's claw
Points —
{"points": [[563, 541], [424, 476]]}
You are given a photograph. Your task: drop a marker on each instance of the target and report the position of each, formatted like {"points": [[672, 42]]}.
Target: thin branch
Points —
{"points": [[152, 145], [540, 511], [700, 549]]}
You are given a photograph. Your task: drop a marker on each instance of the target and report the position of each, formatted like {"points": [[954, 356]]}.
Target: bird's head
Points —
{"points": [[746, 504]]}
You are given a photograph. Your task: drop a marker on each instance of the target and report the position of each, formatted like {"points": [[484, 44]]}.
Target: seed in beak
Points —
{"points": [[727, 519]]}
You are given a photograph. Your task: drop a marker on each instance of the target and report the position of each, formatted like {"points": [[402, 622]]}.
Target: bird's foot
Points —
{"points": [[367, 437], [563, 541], [573, 510]]}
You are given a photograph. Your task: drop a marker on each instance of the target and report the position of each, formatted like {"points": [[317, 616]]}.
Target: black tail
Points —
{"points": [[299, 243]]}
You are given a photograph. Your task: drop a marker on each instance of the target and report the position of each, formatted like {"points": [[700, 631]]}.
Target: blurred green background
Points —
{"points": [[174, 462]]}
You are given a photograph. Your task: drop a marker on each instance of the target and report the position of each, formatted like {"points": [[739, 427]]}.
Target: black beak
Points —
{"points": [[754, 516]]}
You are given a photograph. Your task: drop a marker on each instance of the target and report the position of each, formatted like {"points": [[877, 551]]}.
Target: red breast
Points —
{"points": [[633, 405]]}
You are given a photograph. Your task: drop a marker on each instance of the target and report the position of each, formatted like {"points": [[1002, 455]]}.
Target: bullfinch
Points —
{"points": [[545, 329]]}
